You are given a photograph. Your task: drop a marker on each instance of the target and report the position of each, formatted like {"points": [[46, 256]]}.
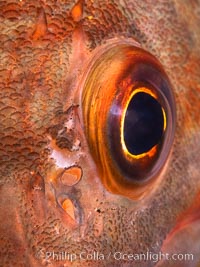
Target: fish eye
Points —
{"points": [[129, 118]]}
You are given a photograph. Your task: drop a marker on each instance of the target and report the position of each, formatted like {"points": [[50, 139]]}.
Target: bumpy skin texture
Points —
{"points": [[39, 102]]}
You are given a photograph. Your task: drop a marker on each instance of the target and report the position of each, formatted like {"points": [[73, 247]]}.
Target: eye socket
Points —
{"points": [[129, 118]]}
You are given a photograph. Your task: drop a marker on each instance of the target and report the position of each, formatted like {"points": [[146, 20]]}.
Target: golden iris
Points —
{"points": [[143, 130]]}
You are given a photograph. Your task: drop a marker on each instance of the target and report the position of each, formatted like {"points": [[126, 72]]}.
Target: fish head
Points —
{"points": [[68, 70]]}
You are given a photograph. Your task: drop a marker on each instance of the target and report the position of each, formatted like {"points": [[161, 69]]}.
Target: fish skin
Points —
{"points": [[39, 77]]}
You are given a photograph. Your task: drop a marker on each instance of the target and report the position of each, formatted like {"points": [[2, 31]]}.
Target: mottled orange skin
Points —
{"points": [[43, 51]]}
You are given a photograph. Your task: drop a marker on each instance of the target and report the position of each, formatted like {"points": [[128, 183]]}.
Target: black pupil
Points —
{"points": [[143, 124]]}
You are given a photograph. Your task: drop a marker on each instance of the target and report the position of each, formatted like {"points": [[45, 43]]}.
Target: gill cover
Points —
{"points": [[129, 117]]}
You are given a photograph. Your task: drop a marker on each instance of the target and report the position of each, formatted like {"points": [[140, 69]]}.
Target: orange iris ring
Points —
{"points": [[153, 150]]}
